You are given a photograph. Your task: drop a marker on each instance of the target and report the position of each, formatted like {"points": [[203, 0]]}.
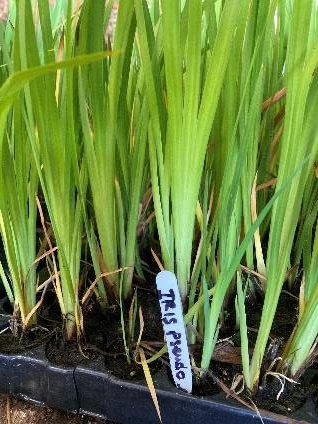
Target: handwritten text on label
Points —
{"points": [[172, 319]]}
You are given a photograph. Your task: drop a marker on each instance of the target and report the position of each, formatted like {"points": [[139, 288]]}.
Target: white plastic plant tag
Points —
{"points": [[173, 326]]}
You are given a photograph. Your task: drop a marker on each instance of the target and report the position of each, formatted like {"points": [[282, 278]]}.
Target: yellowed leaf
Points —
{"points": [[257, 239], [149, 382]]}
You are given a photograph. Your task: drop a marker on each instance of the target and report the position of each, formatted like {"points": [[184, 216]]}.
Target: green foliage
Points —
{"points": [[220, 97]]}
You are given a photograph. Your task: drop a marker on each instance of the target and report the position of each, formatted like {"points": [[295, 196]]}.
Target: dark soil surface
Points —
{"points": [[103, 339], [227, 360], [99, 329], [291, 399], [293, 396], [35, 337]]}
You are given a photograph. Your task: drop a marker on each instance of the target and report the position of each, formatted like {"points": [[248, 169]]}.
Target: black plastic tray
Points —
{"points": [[105, 396], [91, 390], [30, 376]]}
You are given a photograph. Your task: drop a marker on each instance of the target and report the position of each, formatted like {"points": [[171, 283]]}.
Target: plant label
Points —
{"points": [[173, 326]]}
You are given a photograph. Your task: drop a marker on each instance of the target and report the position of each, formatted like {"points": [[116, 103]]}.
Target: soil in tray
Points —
{"points": [[225, 365], [36, 336], [103, 339], [152, 335], [207, 384], [294, 395], [70, 354], [14, 340]]}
